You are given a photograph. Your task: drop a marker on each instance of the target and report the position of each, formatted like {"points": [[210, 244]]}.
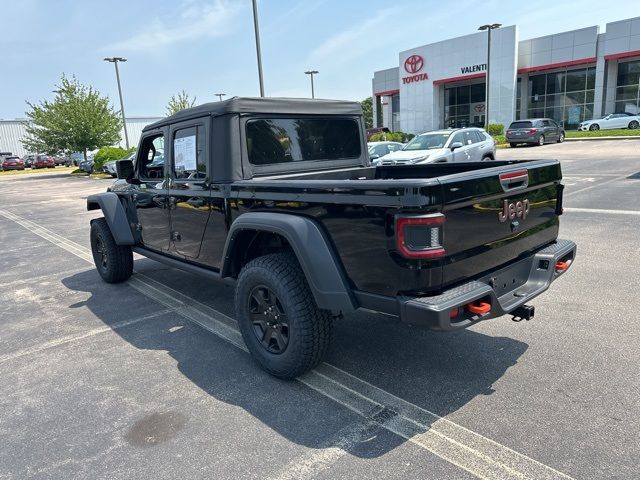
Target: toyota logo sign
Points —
{"points": [[413, 64]]}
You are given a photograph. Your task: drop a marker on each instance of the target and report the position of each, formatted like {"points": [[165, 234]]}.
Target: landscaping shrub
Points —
{"points": [[495, 129], [106, 154], [391, 137]]}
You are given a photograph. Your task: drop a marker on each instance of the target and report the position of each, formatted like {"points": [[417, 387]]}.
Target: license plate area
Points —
{"points": [[510, 278]]}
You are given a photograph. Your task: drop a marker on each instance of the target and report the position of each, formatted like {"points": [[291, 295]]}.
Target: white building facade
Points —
{"points": [[570, 76], [12, 132]]}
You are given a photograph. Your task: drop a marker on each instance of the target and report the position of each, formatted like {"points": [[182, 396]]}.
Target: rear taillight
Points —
{"points": [[533, 130], [420, 237]]}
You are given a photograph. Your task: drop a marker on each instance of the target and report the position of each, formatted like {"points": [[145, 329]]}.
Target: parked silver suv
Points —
{"points": [[453, 145]]}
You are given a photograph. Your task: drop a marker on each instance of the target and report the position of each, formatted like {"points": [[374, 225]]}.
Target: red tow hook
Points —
{"points": [[478, 307], [562, 266]]}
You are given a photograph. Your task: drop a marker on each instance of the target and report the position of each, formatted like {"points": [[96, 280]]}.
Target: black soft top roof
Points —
{"points": [[263, 105]]}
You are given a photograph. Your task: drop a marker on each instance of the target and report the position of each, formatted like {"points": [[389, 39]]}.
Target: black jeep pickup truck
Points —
{"points": [[279, 196]]}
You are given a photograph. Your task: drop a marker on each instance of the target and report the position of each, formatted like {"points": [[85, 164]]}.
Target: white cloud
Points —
{"points": [[193, 20]]}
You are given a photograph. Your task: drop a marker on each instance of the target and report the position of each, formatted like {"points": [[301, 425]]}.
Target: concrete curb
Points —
{"points": [[626, 137]]}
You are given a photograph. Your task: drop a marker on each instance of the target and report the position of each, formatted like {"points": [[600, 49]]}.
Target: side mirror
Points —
{"points": [[455, 145], [124, 169], [374, 156]]}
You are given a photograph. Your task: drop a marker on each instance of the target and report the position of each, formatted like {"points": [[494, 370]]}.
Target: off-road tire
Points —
{"points": [[309, 327], [114, 262]]}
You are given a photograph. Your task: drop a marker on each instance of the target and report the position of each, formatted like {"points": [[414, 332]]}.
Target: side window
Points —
{"points": [[458, 137], [545, 123], [553, 124], [189, 156], [469, 138], [151, 157], [479, 136]]}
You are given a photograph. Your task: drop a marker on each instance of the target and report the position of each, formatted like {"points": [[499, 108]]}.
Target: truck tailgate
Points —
{"points": [[496, 215]]}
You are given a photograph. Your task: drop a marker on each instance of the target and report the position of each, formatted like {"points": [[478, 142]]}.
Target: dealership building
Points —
{"points": [[570, 77]]}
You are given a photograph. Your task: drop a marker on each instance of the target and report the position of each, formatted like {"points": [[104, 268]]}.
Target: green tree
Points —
{"points": [[367, 112], [77, 120], [180, 102]]}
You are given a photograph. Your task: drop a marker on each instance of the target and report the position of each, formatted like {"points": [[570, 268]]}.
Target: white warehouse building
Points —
{"points": [[570, 76], [12, 132]]}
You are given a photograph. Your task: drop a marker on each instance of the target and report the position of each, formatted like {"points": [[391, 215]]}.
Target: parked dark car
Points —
{"points": [[535, 131], [43, 161], [62, 161], [28, 160], [12, 163], [286, 205], [86, 165]]}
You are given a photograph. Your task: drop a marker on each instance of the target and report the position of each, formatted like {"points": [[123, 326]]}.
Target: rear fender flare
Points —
{"points": [[114, 214], [319, 263]]}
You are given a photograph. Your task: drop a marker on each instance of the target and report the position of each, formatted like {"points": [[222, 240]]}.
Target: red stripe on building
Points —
{"points": [[387, 93], [460, 78], [617, 56], [551, 66]]}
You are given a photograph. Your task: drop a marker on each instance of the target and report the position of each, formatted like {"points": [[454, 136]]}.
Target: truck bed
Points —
{"points": [[357, 207]]}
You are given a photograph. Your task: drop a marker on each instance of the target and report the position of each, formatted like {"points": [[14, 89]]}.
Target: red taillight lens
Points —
{"points": [[420, 237], [533, 130]]}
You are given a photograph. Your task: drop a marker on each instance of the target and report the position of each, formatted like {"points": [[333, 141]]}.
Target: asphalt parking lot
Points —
{"points": [[150, 379]]}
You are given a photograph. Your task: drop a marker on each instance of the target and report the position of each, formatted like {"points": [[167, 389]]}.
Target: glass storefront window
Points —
{"points": [[565, 96], [464, 106], [628, 73], [628, 87]]}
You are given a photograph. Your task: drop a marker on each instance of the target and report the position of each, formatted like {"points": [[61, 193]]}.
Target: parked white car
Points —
{"points": [[455, 145], [611, 121]]}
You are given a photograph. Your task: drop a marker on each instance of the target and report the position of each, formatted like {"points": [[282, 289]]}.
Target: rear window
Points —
{"points": [[283, 140], [521, 125]]}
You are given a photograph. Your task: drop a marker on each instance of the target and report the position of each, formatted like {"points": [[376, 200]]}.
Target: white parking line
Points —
{"points": [[457, 445], [74, 338], [601, 184], [603, 211]]}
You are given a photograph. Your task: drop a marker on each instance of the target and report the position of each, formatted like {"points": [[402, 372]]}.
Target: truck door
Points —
{"points": [[190, 197], [152, 193]]}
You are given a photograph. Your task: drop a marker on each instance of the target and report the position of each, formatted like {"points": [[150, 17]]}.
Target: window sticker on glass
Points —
{"points": [[184, 152]]}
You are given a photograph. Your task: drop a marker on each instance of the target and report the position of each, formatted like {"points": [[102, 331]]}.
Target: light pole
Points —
{"points": [[220, 95], [257, 32], [312, 73], [488, 27], [115, 61]]}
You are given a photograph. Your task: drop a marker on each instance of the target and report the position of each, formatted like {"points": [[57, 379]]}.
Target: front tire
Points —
{"points": [[541, 140], [595, 126], [114, 262], [284, 330], [561, 138], [633, 125]]}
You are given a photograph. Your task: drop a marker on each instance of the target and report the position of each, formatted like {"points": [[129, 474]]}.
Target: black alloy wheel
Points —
{"points": [[269, 320]]}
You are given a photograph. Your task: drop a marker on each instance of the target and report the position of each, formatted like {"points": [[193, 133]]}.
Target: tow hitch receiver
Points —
{"points": [[525, 312]]}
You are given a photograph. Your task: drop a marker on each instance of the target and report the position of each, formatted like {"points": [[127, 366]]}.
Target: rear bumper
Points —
{"points": [[504, 290], [523, 139]]}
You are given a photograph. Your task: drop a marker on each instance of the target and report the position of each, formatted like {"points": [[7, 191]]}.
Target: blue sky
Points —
{"points": [[207, 46]]}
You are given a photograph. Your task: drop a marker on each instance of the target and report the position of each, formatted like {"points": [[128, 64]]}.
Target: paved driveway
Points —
{"points": [[150, 379]]}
